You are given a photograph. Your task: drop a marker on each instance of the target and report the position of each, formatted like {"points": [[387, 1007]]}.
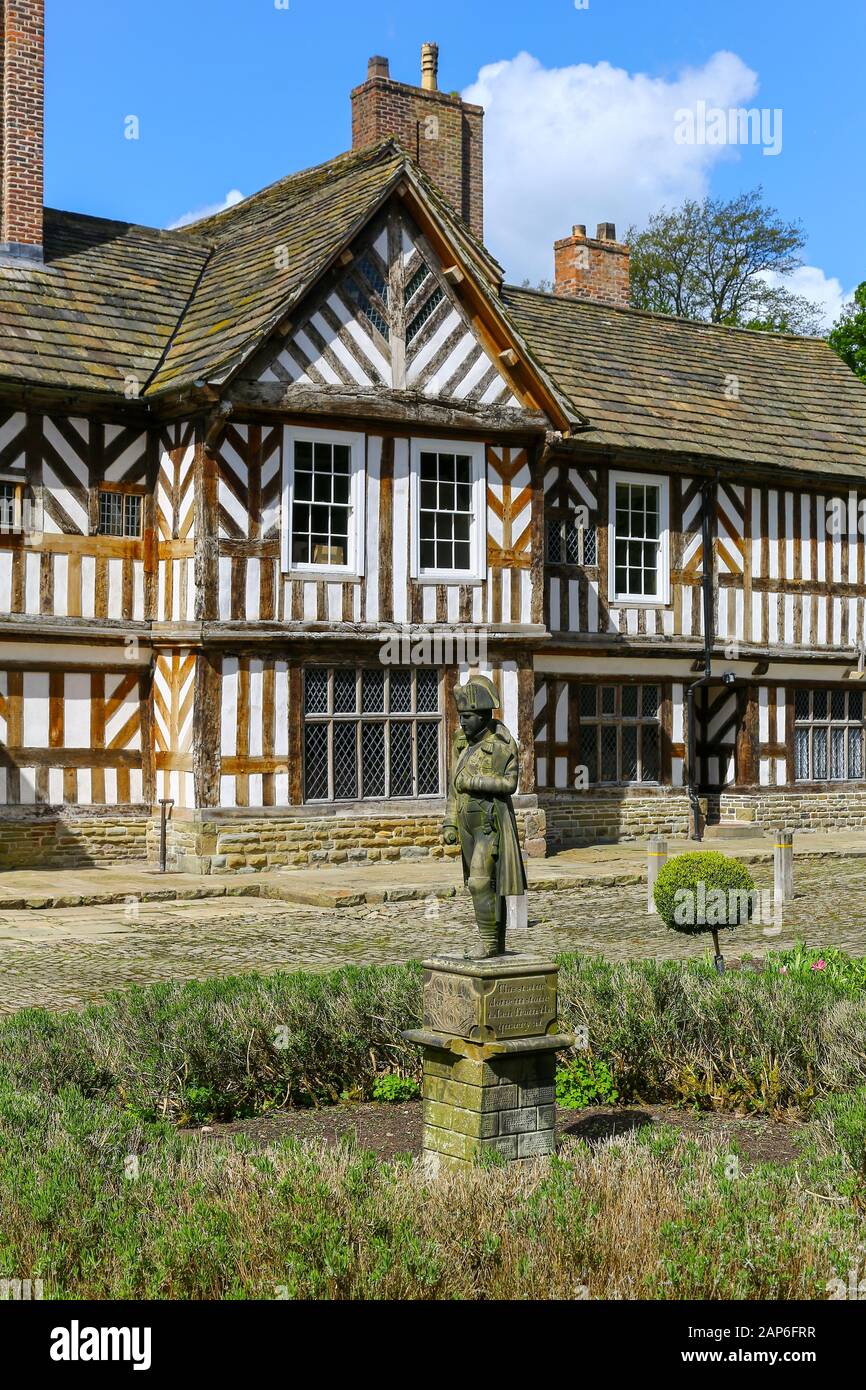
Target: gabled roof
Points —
{"points": [[650, 382]]}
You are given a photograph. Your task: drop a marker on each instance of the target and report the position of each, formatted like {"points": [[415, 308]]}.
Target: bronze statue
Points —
{"points": [[479, 815]]}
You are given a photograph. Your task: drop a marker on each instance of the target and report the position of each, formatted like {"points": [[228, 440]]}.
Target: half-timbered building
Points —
{"points": [[270, 483]]}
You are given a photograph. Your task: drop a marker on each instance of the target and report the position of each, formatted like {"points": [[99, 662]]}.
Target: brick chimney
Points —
{"points": [[593, 268], [22, 95], [442, 132]]}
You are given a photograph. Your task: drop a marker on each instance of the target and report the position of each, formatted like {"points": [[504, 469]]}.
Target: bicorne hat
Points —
{"points": [[479, 692]]}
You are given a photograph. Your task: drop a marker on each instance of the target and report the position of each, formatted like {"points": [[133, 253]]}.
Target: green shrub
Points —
{"points": [[392, 1088], [585, 1081], [227, 1048], [702, 891]]}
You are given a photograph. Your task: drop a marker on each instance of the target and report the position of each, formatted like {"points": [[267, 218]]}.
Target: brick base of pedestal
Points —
{"points": [[472, 1106], [488, 1044]]}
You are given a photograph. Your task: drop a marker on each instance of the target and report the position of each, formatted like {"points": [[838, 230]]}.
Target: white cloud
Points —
{"points": [[233, 196], [590, 144], [824, 291]]}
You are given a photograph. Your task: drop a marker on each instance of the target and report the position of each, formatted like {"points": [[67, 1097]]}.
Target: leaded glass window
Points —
{"points": [[828, 735], [120, 514], [371, 734], [570, 541], [620, 732]]}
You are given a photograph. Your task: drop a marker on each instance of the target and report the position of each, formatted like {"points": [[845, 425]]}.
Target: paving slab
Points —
{"points": [[351, 885]]}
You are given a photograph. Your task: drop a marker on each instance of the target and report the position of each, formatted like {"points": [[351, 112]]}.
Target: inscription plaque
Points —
{"points": [[521, 1007], [485, 1001]]}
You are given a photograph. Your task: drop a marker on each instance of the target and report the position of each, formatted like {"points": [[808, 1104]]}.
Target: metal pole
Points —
{"points": [[783, 867], [163, 817], [656, 854]]}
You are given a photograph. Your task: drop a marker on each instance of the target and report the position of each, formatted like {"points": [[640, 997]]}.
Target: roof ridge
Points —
{"points": [[657, 317], [368, 155]]}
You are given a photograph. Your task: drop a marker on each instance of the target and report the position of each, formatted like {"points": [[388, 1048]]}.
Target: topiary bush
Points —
{"points": [[703, 891]]}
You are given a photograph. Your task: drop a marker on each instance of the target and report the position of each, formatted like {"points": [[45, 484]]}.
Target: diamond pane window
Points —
{"points": [[427, 692], [428, 308], [828, 735], [345, 762], [619, 736], [588, 701], [315, 691], [373, 759], [401, 692], [428, 758], [570, 542], [376, 747], [401, 760], [345, 692], [316, 761], [373, 692]]}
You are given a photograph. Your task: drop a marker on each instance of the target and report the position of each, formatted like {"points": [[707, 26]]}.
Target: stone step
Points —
{"points": [[735, 831]]}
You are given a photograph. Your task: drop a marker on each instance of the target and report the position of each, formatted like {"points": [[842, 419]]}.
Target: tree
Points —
{"points": [[711, 260], [848, 334]]}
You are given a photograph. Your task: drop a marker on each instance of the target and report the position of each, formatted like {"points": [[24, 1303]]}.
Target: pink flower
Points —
{"points": [[784, 970], [819, 965]]}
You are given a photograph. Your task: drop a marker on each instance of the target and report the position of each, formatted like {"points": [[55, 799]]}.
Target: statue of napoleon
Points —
{"points": [[479, 815]]}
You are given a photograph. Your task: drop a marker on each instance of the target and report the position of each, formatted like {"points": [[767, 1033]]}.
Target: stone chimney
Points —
{"points": [[22, 97], [593, 268], [442, 132]]}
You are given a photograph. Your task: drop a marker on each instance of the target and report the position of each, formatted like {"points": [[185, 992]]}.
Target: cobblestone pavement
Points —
{"points": [[68, 958]]}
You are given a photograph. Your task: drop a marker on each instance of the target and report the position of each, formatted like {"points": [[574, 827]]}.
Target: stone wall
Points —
{"points": [[774, 808], [60, 840], [575, 818], [220, 842]]}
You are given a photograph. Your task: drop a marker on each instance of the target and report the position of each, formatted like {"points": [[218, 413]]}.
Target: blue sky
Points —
{"points": [[232, 94]]}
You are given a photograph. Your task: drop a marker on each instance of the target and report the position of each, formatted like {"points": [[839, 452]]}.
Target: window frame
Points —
{"points": [[477, 452], [662, 483], [563, 518], [619, 721], [330, 718], [354, 568], [827, 724], [124, 491], [17, 501]]}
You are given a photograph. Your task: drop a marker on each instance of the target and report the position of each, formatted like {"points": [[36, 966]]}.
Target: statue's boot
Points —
{"points": [[484, 901]]}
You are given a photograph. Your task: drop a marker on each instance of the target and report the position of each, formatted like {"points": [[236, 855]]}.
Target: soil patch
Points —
{"points": [[396, 1129]]}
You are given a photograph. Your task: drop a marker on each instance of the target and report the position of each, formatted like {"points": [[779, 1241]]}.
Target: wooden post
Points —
{"points": [[657, 853], [783, 866]]}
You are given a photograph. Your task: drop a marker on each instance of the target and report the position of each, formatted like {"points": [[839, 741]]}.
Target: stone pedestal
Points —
{"points": [[489, 1040]]}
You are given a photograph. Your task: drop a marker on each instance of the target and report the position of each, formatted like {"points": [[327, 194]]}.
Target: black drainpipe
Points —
{"points": [[708, 511]]}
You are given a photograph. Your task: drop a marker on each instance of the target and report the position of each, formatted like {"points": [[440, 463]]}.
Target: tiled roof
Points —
{"points": [[172, 308], [646, 381]]}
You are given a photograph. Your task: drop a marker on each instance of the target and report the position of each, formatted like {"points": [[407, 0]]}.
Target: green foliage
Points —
{"points": [[649, 1215], [583, 1081], [225, 1049], [688, 888], [803, 962], [848, 334], [709, 261], [392, 1087]]}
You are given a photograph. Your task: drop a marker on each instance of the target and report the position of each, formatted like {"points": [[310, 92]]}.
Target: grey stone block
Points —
{"points": [[518, 1121], [536, 1143]]}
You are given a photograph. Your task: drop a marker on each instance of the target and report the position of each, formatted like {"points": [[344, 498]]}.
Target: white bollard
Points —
{"points": [[783, 867], [656, 854]]}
